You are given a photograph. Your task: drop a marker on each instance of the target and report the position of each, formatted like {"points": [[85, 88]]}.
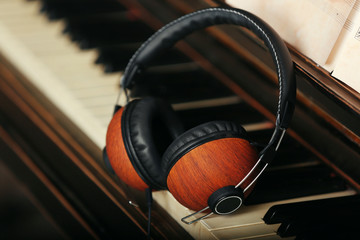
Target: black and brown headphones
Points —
{"points": [[211, 165]]}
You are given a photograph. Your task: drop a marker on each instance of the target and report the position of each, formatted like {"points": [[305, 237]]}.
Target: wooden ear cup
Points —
{"points": [[117, 155], [136, 138], [205, 168]]}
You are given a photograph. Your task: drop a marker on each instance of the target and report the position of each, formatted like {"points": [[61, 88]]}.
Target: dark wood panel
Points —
{"points": [[49, 197]]}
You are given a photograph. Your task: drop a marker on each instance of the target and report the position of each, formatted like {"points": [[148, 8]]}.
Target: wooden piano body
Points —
{"points": [[52, 137]]}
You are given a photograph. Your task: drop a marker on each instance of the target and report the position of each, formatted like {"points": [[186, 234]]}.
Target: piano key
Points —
{"points": [[313, 216], [90, 92], [115, 58], [295, 182], [328, 229], [187, 85], [56, 9], [14, 10], [348, 231], [80, 81], [120, 53], [279, 213], [106, 29], [247, 222], [287, 156], [207, 103], [51, 79], [258, 123], [231, 111]]}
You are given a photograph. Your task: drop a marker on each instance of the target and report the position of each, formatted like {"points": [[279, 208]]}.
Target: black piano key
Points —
{"points": [[231, 112], [119, 52], [285, 157], [57, 9], [310, 209], [348, 230], [183, 86], [107, 29], [288, 147], [324, 227], [115, 58], [290, 183], [292, 153], [312, 218]]}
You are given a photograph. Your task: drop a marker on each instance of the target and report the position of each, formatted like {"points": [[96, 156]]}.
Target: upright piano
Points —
{"points": [[60, 68]]}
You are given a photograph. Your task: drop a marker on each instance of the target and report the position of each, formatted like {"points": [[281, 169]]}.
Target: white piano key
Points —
{"points": [[96, 91], [68, 63], [45, 78], [99, 101], [80, 81], [18, 7]]}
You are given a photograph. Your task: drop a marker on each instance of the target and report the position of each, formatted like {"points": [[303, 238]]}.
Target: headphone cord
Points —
{"points": [[149, 201]]}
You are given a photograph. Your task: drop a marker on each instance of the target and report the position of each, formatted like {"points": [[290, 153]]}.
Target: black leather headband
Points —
{"points": [[171, 33]]}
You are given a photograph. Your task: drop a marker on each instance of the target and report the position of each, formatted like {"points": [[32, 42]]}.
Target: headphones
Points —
{"points": [[213, 165]]}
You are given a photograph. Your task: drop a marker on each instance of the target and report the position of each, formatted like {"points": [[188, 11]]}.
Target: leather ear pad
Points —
{"points": [[197, 136], [149, 126]]}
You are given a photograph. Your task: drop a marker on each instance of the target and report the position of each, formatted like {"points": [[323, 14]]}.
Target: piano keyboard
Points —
{"points": [[68, 77], [63, 78]]}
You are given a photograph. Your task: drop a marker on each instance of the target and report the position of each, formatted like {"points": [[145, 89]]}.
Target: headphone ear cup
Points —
{"points": [[133, 145], [206, 158], [118, 156]]}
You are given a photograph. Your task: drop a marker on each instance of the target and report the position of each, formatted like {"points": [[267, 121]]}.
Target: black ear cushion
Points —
{"points": [[197, 136], [149, 126]]}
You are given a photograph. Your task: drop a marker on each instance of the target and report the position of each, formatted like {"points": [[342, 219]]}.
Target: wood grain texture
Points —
{"points": [[211, 166], [118, 156]]}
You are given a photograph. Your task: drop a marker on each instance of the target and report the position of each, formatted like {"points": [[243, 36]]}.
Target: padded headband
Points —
{"points": [[171, 33]]}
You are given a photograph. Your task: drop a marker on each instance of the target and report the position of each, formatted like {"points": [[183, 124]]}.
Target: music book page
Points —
{"points": [[326, 31], [347, 61], [311, 26]]}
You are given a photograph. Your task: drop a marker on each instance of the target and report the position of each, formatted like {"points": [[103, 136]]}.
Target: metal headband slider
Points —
{"points": [[280, 136], [197, 219]]}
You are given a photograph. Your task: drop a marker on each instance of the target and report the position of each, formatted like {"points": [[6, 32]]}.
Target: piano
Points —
{"points": [[60, 68]]}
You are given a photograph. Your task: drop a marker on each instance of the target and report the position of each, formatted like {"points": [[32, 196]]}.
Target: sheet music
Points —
{"points": [[347, 60], [311, 26], [326, 31]]}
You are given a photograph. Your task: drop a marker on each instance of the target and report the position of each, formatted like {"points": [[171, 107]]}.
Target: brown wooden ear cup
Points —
{"points": [[118, 156], [136, 138], [205, 159]]}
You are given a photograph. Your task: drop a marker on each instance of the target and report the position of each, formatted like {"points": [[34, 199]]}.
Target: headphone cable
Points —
{"points": [[149, 201]]}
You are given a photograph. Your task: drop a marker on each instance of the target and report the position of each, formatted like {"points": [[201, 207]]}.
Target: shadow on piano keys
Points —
{"points": [[41, 67]]}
